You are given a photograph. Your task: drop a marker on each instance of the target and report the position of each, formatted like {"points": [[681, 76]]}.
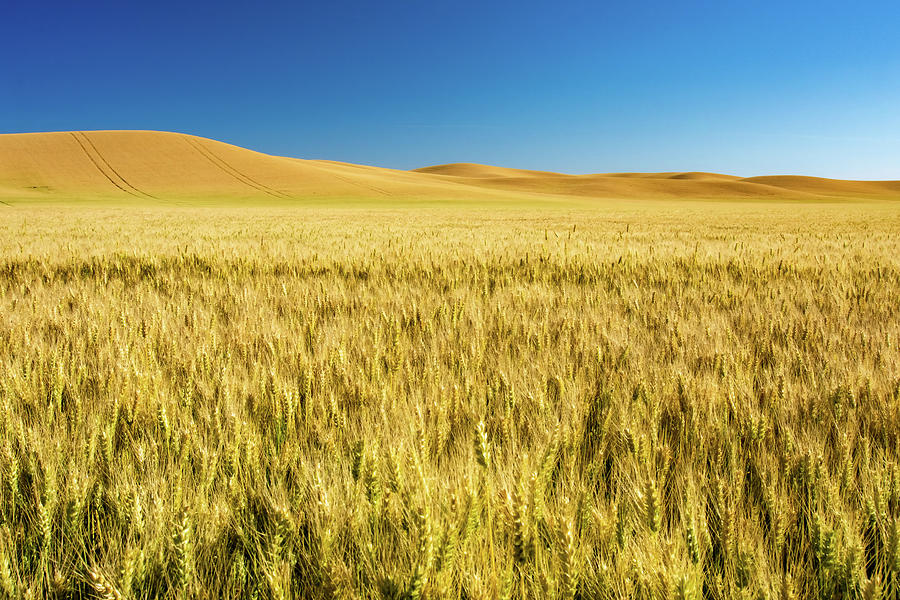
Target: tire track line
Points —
{"points": [[99, 168], [229, 170], [110, 167], [367, 186]]}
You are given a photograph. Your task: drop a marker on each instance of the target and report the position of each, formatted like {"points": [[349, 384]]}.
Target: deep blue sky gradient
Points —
{"points": [[808, 87]]}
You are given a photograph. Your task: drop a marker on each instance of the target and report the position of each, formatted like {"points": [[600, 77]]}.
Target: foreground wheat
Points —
{"points": [[649, 403]]}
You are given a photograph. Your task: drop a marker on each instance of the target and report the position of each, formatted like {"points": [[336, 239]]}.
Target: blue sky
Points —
{"points": [[808, 87]]}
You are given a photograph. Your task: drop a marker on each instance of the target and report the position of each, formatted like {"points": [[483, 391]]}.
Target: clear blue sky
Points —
{"points": [[749, 88]]}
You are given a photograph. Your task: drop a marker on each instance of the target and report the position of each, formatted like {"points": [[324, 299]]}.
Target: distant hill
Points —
{"points": [[160, 166], [664, 185]]}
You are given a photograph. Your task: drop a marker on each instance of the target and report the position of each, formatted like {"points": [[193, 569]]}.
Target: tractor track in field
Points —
{"points": [[99, 168], [363, 185], [226, 168], [116, 173], [97, 158]]}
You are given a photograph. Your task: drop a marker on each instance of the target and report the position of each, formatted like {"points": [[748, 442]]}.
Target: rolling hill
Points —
{"points": [[152, 166]]}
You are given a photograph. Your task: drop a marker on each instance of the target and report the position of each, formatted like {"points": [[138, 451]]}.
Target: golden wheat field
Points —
{"points": [[661, 400]]}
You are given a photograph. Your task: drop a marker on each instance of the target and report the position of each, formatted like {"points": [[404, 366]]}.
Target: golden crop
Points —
{"points": [[652, 401]]}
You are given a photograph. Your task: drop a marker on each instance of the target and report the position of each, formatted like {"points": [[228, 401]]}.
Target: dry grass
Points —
{"points": [[669, 401]]}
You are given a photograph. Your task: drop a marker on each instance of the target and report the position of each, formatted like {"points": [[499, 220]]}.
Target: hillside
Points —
{"points": [[685, 185], [151, 166]]}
